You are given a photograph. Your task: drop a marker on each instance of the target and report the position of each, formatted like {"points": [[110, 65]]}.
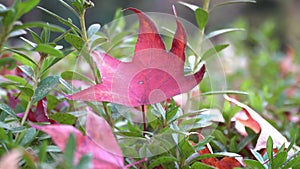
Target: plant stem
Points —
{"points": [[35, 81], [144, 118], [109, 120], [83, 28], [201, 35]]}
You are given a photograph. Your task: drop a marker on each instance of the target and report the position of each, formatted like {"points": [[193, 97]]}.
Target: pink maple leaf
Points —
{"points": [[154, 75], [99, 141]]}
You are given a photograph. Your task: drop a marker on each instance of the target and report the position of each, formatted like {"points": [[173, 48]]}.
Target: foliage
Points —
{"points": [[42, 126]]}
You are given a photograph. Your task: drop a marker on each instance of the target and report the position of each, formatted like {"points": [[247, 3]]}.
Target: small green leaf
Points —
{"points": [[70, 75], [232, 2], [161, 160], [93, 29], [44, 87], [222, 31], [197, 165], [17, 33], [60, 19], [29, 135], [51, 27], [253, 164], [85, 162], [69, 151], [44, 48], [8, 63], [257, 156], [27, 70], [98, 42], [69, 7], [191, 6], [201, 18], [295, 163], [76, 41], [5, 108], [214, 50], [63, 118], [24, 7], [279, 159], [45, 35], [270, 149], [224, 92]]}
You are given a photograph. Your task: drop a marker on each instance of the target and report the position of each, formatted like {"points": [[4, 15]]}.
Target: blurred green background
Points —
{"points": [[284, 13]]}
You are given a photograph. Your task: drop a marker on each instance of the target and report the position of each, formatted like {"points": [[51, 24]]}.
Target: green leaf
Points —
{"points": [[51, 27], [5, 108], [222, 31], [201, 18], [70, 75], [97, 42], [44, 48], [214, 50], [23, 56], [17, 79], [44, 87], [29, 135], [17, 33], [69, 151], [270, 149], [93, 29], [224, 92], [198, 165], [253, 164], [295, 163], [63, 118], [85, 162], [279, 159], [186, 149], [45, 35], [60, 19], [76, 41], [49, 62], [27, 70], [257, 156], [69, 7], [24, 7], [191, 6], [161, 160], [232, 2], [8, 63]]}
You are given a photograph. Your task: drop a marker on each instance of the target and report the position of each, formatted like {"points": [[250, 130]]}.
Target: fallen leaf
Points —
{"points": [[10, 160], [266, 129], [99, 141], [154, 75], [40, 113], [224, 163]]}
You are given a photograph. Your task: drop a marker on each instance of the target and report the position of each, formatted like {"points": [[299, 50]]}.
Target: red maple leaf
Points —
{"points": [[154, 75], [99, 141], [40, 113]]}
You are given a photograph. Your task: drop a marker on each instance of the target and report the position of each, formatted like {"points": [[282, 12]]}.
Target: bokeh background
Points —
{"points": [[284, 13]]}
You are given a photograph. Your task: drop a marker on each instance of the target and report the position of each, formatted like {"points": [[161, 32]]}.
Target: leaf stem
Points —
{"points": [[83, 28], [35, 81], [201, 35], [144, 118]]}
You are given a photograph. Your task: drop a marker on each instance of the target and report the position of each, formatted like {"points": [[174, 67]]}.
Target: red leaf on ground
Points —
{"points": [[99, 141], [228, 163], [154, 75], [40, 114], [266, 129]]}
